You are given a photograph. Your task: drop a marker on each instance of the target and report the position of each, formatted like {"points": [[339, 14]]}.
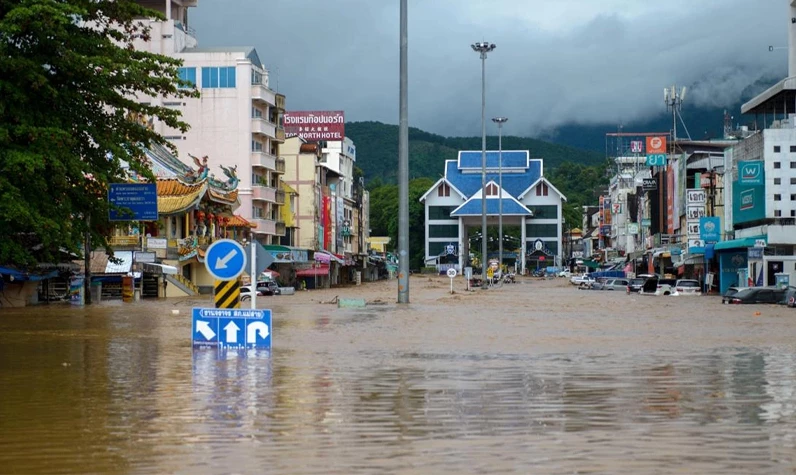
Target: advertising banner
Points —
{"points": [[710, 228], [315, 125], [748, 193], [670, 218], [750, 173], [656, 144]]}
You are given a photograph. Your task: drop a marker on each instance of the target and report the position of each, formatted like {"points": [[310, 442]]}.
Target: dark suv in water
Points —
{"points": [[635, 285], [268, 288]]}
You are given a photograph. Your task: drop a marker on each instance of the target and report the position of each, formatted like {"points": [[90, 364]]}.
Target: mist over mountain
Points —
{"points": [[702, 113]]}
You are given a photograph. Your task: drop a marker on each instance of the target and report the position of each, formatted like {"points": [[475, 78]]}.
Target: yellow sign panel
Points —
{"points": [[226, 294]]}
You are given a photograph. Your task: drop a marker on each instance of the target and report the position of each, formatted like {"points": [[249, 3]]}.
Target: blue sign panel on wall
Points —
{"points": [[710, 228], [138, 202], [749, 193]]}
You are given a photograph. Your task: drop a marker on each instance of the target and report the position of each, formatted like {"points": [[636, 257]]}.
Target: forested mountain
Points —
{"points": [[377, 150]]}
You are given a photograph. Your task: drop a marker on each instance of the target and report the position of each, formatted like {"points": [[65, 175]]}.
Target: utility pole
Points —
{"points": [[483, 48], [403, 165], [500, 121]]}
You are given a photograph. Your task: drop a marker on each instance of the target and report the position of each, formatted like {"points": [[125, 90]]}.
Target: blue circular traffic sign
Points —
{"points": [[225, 259]]}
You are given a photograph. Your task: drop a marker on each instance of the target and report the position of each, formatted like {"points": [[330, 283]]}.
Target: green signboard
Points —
{"points": [[749, 194]]}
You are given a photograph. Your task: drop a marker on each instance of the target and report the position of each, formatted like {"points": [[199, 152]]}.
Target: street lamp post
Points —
{"points": [[403, 160], [483, 48], [500, 121]]}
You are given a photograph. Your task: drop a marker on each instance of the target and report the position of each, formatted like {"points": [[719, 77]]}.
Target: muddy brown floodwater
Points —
{"points": [[534, 377]]}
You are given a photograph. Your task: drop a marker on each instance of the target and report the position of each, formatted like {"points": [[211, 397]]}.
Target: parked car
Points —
{"points": [[790, 297], [634, 285], [598, 283], [758, 295], [268, 287], [565, 273], [614, 284], [246, 293], [730, 292], [687, 287], [654, 286], [583, 280]]}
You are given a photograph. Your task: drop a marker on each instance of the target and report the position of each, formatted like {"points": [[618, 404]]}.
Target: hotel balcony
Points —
{"points": [[280, 228], [280, 102], [280, 134], [263, 160], [260, 93], [264, 226], [261, 126], [263, 193], [279, 165], [280, 197]]}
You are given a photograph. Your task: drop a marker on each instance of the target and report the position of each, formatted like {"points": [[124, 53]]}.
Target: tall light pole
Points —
{"points": [[500, 121], [403, 166], [483, 48]]}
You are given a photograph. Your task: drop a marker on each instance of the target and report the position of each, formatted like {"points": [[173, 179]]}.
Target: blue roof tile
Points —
{"points": [[511, 159], [514, 183], [473, 208]]}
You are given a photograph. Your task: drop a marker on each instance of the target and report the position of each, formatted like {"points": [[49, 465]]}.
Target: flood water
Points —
{"points": [[523, 380]]}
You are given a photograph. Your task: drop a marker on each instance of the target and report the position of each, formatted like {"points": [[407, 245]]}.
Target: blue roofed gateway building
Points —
{"points": [[453, 207]]}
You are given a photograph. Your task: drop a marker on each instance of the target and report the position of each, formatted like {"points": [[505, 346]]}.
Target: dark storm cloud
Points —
{"points": [[556, 62]]}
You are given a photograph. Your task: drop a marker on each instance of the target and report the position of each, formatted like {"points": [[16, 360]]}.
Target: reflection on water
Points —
{"points": [[116, 391]]}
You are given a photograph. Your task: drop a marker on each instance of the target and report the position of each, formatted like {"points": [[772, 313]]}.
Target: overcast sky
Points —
{"points": [[556, 62]]}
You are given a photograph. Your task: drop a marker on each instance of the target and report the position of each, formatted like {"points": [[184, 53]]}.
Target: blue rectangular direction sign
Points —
{"points": [[231, 329], [138, 201]]}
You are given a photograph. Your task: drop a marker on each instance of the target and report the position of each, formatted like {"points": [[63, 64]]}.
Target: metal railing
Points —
{"points": [[280, 165], [281, 229], [280, 197]]}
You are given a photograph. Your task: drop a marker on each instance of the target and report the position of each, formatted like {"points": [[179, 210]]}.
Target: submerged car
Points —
{"points": [[634, 285], [246, 293], [687, 287], [727, 296], [758, 295], [658, 287]]}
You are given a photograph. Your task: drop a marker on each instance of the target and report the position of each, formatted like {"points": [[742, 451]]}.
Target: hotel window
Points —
{"points": [[777, 148], [444, 190], [187, 75], [213, 77], [793, 181], [793, 196], [777, 181], [793, 213], [777, 197], [491, 189], [777, 213], [777, 165], [793, 148], [793, 164]]}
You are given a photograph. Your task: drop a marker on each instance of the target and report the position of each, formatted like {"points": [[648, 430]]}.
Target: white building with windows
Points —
{"points": [[453, 206], [235, 122]]}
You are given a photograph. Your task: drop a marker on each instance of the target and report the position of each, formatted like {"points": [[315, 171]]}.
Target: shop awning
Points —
{"points": [[328, 257], [590, 264], [18, 275], [313, 272], [737, 243], [154, 268]]}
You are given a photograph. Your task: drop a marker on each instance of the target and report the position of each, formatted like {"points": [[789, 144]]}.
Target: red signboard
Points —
{"points": [[315, 125], [327, 222], [656, 145]]}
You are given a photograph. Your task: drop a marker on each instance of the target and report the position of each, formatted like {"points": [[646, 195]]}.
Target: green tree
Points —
{"points": [[69, 119]]}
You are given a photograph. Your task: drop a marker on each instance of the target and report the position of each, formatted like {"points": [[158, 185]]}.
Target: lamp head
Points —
{"points": [[483, 47], [500, 120]]}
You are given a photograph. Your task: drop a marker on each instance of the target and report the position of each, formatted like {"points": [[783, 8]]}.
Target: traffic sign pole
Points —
{"points": [[451, 274], [253, 270]]}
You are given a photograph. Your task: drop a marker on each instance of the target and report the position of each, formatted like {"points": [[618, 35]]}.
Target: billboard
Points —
{"points": [[656, 145], [315, 125], [133, 202], [748, 193]]}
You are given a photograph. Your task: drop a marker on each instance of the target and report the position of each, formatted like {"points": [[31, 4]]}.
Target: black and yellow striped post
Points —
{"points": [[226, 294]]}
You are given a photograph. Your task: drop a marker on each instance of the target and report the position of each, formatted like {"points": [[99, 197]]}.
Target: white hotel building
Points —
{"points": [[236, 120]]}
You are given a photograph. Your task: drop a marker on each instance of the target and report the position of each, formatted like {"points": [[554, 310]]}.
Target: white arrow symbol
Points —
{"points": [[221, 262], [204, 328], [253, 329], [232, 332]]}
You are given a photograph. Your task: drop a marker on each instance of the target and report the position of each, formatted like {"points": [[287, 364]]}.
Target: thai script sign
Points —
{"points": [[315, 125]]}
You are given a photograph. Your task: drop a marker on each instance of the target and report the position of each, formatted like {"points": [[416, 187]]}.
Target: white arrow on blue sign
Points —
{"points": [[225, 259], [231, 328]]}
